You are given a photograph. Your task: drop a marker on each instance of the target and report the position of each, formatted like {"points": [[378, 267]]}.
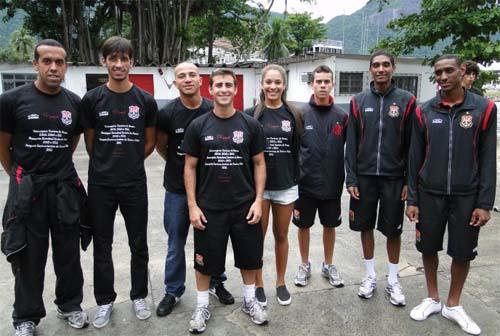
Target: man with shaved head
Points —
{"points": [[173, 120]]}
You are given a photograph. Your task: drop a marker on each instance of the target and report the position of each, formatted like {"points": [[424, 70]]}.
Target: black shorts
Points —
{"points": [[435, 211], [210, 245], [363, 212], [305, 212]]}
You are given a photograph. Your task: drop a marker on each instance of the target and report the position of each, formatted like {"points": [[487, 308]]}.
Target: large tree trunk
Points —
{"points": [[140, 42], [65, 29]]}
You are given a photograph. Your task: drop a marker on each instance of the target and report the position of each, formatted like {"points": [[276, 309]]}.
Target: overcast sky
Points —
{"points": [[326, 8]]}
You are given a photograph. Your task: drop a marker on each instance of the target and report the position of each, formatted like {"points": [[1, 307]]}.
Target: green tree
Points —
{"points": [[21, 45], [275, 40], [468, 28], [231, 19], [304, 30]]}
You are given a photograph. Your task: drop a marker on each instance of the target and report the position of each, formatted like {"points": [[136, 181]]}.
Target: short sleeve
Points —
{"points": [[191, 144], [258, 143], [7, 114], [87, 115], [151, 112]]}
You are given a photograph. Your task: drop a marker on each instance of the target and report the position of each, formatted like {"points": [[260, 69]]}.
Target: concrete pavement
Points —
{"points": [[317, 309]]}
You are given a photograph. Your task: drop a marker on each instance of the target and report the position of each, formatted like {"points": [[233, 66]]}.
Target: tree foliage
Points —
{"points": [[275, 40], [303, 31], [470, 29], [234, 20], [21, 45], [159, 30]]}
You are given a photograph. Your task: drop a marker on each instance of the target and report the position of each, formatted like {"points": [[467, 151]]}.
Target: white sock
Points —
{"points": [[370, 267], [248, 292], [393, 273], [202, 299]]}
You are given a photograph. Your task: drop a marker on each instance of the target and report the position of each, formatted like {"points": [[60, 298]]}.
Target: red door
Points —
{"points": [[145, 82], [238, 100]]}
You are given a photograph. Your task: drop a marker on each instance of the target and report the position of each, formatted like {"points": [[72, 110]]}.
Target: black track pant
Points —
{"points": [[103, 203], [29, 269]]}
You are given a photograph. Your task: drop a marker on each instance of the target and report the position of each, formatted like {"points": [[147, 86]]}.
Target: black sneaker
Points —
{"points": [[166, 305], [221, 293], [283, 295], [260, 295]]}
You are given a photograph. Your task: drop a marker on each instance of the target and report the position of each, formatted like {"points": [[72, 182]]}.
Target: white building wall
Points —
{"points": [[76, 82], [299, 90]]}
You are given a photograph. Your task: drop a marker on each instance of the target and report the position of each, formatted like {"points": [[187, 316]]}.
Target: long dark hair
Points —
{"points": [[299, 124]]}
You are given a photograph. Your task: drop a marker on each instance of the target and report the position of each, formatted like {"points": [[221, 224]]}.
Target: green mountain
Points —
{"points": [[361, 30], [7, 28]]}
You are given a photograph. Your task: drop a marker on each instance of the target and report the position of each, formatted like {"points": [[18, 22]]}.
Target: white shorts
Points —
{"points": [[283, 197]]}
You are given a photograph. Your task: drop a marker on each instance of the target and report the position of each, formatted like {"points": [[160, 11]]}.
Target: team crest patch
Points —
{"points": [[393, 111], [198, 258], [66, 117], [133, 112], [337, 129], [286, 125], [466, 121], [238, 137]]}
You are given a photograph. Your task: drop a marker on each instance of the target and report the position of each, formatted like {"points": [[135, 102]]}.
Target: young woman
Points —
{"points": [[283, 128]]}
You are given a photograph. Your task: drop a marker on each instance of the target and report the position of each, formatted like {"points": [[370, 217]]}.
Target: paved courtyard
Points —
{"points": [[317, 309]]}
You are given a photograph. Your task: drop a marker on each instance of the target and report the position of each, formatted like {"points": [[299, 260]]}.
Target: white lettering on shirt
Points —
{"points": [[437, 121], [33, 116], [103, 114]]}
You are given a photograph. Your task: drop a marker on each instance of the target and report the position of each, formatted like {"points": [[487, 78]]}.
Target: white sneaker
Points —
{"points": [[459, 315], [76, 319], [303, 275], [257, 313], [26, 328], [199, 319], [425, 309], [368, 286], [141, 309], [396, 295], [102, 316]]}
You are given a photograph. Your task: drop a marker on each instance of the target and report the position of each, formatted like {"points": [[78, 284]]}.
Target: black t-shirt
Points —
{"points": [[279, 126], [225, 148], [174, 119], [42, 127], [119, 121]]}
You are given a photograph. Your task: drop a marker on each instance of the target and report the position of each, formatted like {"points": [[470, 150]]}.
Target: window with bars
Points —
{"points": [[306, 77], [350, 82], [408, 83], [12, 80]]}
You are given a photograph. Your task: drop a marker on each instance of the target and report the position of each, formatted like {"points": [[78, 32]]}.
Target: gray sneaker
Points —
{"points": [[76, 319], [141, 309], [26, 328], [102, 315], [303, 275], [199, 319], [257, 313], [332, 274]]}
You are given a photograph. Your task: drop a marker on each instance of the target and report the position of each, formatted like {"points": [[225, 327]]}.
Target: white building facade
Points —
{"points": [[351, 76]]}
